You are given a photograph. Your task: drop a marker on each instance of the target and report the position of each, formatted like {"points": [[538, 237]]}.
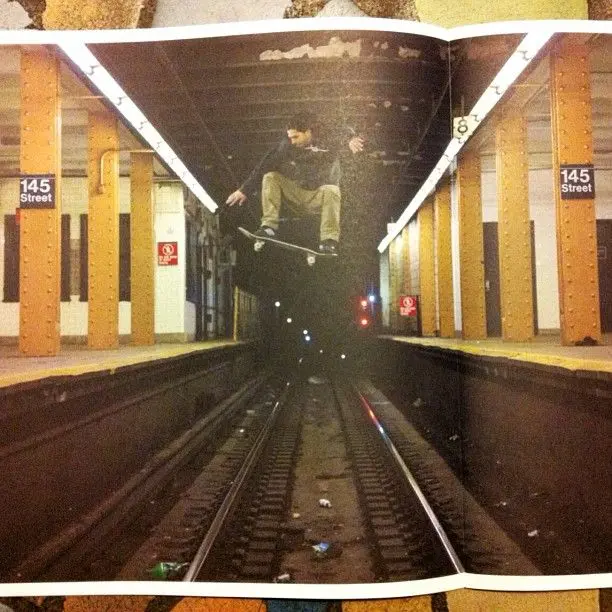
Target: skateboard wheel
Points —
{"points": [[311, 260], [258, 245]]}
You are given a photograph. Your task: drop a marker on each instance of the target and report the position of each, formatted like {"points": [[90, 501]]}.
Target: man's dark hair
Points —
{"points": [[302, 122]]}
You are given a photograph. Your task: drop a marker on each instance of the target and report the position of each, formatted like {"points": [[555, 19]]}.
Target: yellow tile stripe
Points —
{"points": [[14, 372], [529, 353]]}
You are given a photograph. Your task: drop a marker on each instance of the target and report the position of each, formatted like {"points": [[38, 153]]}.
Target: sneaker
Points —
{"points": [[265, 232], [329, 246]]}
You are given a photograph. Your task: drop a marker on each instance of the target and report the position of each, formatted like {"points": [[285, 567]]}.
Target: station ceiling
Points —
{"points": [[222, 103], [76, 101]]}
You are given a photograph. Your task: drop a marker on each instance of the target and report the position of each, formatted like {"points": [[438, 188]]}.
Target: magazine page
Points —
{"points": [[277, 159], [536, 442], [382, 171], [497, 334]]}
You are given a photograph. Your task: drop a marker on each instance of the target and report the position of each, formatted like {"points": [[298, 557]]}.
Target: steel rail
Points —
{"points": [[225, 508], [136, 489], [448, 547]]}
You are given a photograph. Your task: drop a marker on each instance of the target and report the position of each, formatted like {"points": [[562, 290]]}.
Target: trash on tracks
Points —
{"points": [[327, 550], [325, 503], [166, 569], [283, 578]]}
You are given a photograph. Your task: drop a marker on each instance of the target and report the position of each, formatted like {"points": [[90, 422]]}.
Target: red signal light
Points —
{"points": [[364, 322], [364, 303]]}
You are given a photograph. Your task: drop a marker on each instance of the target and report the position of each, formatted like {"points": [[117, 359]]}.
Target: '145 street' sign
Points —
{"points": [[37, 191], [577, 181]]}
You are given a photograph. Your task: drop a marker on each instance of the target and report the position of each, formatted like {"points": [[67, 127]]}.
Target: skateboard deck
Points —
{"points": [[260, 241]]}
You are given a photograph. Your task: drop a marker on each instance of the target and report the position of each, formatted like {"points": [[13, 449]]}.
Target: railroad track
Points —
{"points": [[257, 536], [256, 504], [74, 552]]}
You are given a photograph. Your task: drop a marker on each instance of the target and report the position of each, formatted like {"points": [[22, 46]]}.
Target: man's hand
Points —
{"points": [[356, 144], [236, 198]]}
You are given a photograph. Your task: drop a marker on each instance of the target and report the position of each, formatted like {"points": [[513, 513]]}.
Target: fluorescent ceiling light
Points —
{"points": [[99, 76], [510, 71]]}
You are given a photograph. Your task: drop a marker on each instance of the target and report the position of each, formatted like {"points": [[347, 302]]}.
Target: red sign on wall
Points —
{"points": [[167, 254], [408, 305]]}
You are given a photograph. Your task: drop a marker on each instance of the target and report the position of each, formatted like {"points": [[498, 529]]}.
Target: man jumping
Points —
{"points": [[304, 168]]}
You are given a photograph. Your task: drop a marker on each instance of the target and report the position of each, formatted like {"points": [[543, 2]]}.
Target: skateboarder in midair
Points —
{"points": [[304, 168]]}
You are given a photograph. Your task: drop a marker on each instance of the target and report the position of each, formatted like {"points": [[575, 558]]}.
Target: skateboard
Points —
{"points": [[260, 241]]}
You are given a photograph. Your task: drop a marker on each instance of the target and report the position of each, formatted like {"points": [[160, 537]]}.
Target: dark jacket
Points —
{"points": [[311, 166]]}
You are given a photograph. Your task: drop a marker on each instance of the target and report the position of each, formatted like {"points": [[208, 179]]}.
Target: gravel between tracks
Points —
{"points": [[323, 471]]}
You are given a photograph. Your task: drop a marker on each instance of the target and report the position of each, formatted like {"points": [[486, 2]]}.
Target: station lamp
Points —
{"points": [[527, 49], [89, 65]]}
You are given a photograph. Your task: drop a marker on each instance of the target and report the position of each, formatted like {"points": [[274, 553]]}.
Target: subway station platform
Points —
{"points": [[545, 350], [76, 360]]}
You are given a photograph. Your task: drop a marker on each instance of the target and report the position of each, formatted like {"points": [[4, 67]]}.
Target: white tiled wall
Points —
{"points": [[172, 312]]}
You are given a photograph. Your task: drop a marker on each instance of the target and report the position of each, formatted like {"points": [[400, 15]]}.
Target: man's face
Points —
{"points": [[299, 139]]}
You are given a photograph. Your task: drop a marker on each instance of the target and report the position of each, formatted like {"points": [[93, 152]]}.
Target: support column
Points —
{"points": [[394, 286], [514, 232], [40, 246], [471, 252], [442, 206], [572, 144], [142, 238], [385, 289], [103, 233], [406, 271], [427, 280]]}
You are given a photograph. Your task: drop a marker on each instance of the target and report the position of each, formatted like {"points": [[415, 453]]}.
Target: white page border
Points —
{"points": [[387, 590], [259, 590], [400, 26]]}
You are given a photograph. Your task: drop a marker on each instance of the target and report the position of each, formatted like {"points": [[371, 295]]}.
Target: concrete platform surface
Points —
{"points": [[76, 359], [544, 350]]}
